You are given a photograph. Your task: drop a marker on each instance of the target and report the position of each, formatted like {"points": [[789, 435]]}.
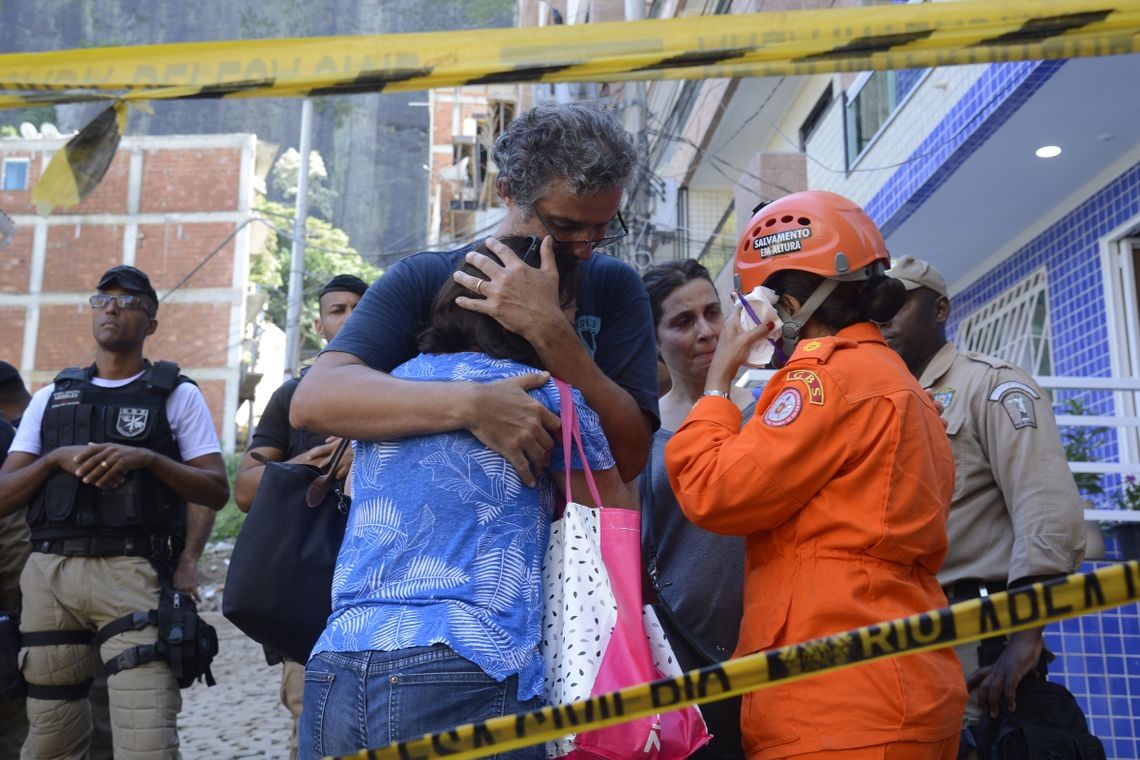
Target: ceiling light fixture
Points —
{"points": [[1048, 151]]}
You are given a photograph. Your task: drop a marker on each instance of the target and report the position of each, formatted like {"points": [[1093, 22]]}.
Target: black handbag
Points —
{"points": [[279, 584], [1048, 725]]}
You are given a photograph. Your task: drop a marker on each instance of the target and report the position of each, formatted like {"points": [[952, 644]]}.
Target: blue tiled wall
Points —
{"points": [[1098, 656], [990, 101]]}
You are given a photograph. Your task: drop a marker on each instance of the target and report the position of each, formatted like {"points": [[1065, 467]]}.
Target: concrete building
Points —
{"points": [[464, 124], [176, 207]]}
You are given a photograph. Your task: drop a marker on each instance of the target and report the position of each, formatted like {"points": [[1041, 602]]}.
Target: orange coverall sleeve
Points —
{"points": [[733, 481]]}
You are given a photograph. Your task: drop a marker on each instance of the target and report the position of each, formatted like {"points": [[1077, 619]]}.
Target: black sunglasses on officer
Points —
{"points": [[124, 301]]}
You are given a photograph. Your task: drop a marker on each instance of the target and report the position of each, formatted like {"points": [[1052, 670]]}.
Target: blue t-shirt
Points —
{"points": [[444, 543], [614, 319]]}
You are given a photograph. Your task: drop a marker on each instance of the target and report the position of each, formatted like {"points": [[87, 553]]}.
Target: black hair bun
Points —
{"points": [[881, 297]]}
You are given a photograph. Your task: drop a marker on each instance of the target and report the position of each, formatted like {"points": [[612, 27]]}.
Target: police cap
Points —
{"points": [[916, 273], [129, 279]]}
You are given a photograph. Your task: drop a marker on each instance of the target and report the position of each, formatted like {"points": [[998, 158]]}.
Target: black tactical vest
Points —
{"points": [[80, 412]]}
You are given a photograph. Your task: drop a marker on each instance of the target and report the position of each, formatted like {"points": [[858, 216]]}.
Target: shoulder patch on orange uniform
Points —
{"points": [[817, 350], [811, 381], [784, 408]]}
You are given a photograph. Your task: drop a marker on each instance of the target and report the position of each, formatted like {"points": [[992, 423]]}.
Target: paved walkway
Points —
{"points": [[241, 716]]}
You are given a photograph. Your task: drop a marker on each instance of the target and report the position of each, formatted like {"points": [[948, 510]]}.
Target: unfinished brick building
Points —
{"points": [[176, 207]]}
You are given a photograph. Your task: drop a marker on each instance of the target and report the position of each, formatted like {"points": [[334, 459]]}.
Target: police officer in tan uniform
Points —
{"points": [[105, 459], [14, 398], [1016, 517]]}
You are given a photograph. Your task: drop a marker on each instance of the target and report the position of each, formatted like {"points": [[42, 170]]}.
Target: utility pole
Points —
{"points": [[637, 204], [297, 267]]}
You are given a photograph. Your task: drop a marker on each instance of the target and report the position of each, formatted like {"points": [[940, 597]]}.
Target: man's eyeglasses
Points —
{"points": [[126, 302], [616, 229]]}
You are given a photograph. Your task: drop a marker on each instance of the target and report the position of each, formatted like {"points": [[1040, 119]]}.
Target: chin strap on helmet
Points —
{"points": [[793, 324]]}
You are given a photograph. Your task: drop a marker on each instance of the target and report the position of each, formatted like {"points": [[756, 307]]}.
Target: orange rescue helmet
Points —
{"points": [[812, 231]]}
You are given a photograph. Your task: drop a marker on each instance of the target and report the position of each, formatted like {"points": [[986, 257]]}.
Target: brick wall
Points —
{"points": [[167, 252], [174, 180], [443, 130], [214, 391], [189, 194], [11, 333], [192, 334], [16, 260], [64, 338], [77, 255]]}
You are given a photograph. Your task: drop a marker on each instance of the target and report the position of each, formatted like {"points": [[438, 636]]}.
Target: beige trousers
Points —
{"points": [[87, 593], [292, 688], [13, 551]]}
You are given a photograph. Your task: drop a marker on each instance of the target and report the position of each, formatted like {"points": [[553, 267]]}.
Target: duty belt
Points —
{"points": [[160, 547], [972, 588]]}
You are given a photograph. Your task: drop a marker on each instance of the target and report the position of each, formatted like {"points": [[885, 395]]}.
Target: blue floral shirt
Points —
{"points": [[444, 543]]}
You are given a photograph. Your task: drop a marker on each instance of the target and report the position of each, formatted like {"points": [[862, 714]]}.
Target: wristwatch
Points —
{"points": [[718, 394]]}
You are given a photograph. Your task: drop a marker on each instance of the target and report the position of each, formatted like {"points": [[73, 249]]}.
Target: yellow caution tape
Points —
{"points": [[1015, 610], [895, 36], [76, 170]]}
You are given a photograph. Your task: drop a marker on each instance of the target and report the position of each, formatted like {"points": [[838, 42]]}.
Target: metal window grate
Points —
{"points": [[1014, 326]]}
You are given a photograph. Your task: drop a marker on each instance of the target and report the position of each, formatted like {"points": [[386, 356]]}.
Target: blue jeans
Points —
{"points": [[365, 700]]}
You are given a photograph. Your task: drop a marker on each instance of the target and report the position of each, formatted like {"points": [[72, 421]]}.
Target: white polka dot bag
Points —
{"points": [[595, 638]]}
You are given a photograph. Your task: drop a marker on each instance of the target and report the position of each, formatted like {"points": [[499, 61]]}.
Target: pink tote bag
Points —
{"points": [[598, 637]]}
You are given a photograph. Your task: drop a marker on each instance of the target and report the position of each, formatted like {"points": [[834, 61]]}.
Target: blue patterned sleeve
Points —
{"points": [[594, 441]]}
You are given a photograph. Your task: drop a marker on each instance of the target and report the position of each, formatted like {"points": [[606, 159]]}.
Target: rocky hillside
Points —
{"points": [[374, 146]]}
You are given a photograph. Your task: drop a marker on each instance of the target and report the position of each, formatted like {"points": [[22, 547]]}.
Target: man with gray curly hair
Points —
{"points": [[584, 147], [562, 170]]}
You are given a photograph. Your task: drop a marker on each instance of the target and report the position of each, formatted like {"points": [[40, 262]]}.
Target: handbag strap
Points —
{"points": [[319, 488], [572, 430]]}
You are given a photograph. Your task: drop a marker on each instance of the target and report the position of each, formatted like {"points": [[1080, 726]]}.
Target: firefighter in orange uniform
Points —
{"points": [[841, 483]]}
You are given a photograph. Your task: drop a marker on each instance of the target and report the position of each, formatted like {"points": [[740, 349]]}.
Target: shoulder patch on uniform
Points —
{"points": [[811, 381], [944, 396], [785, 408], [816, 350], [1019, 407], [1012, 385]]}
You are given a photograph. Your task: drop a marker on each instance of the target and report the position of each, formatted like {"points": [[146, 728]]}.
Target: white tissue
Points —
{"points": [[763, 302]]}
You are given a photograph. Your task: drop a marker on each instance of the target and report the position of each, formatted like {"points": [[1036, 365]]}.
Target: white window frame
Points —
{"points": [[27, 164], [853, 92], [1122, 312], [1005, 327]]}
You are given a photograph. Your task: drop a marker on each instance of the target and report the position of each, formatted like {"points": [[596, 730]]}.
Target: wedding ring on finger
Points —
{"points": [[103, 463], [478, 287]]}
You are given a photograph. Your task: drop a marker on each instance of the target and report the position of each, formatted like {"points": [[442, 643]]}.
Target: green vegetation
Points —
{"points": [[1080, 445], [230, 518], [228, 523], [328, 251]]}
